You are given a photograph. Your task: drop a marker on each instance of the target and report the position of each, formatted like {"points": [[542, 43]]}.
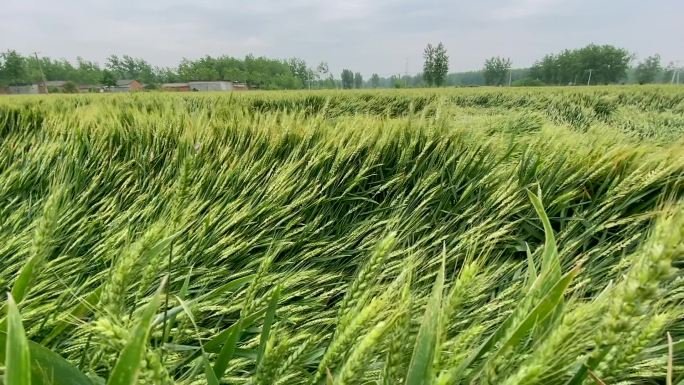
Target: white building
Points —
{"points": [[211, 86], [29, 89]]}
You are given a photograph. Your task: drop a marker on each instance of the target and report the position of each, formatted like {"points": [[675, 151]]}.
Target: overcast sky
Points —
{"points": [[368, 36]]}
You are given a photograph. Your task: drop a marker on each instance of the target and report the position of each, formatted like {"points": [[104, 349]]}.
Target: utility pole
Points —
{"points": [[42, 74], [510, 76], [675, 72], [406, 74], [590, 71]]}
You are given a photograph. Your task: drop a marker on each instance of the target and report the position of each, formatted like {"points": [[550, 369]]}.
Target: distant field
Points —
{"points": [[452, 236]]}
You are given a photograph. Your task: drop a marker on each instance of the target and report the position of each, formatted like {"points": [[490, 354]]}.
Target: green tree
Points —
{"points": [[108, 79], [395, 81], [166, 75], [311, 76], [429, 64], [375, 81], [201, 69], [347, 79], [605, 64], [441, 65], [331, 82], [358, 80], [17, 69], [648, 70], [299, 70], [436, 65], [496, 70], [322, 73], [257, 72], [53, 69], [12, 68], [468, 78], [609, 63], [70, 87], [128, 67], [87, 72]]}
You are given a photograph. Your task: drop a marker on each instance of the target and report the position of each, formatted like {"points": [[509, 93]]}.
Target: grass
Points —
{"points": [[479, 236]]}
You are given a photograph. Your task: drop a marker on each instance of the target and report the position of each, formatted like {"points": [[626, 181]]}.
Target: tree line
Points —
{"points": [[257, 72], [593, 64]]}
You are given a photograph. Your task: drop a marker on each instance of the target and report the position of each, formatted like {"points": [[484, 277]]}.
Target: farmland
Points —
{"points": [[452, 236]]}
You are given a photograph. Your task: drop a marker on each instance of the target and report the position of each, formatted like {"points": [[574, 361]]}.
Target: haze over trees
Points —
{"points": [[324, 79], [648, 70], [358, 80], [375, 81], [496, 71], [347, 79]]}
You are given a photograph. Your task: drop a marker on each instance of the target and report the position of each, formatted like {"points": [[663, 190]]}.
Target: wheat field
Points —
{"points": [[417, 237]]}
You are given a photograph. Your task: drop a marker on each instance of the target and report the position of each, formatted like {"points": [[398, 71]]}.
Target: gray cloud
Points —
{"points": [[368, 36]]}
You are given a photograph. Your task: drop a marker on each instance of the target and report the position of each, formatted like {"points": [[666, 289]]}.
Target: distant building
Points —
{"points": [[29, 89], [126, 85], [239, 86], [220, 85], [211, 86], [55, 85], [85, 88], [177, 87]]}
